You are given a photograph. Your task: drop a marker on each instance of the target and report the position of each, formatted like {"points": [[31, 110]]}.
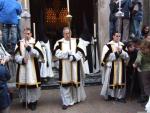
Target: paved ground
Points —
{"points": [[50, 103]]}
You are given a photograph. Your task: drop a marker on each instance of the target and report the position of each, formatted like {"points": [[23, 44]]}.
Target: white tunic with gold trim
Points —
{"points": [[70, 76], [69, 71], [28, 74], [114, 64]]}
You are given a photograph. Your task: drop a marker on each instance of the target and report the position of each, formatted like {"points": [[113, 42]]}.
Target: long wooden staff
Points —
{"points": [[26, 16], [26, 79], [69, 18], [34, 31]]}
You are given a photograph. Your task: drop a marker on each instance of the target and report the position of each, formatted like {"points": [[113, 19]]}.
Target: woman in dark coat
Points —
{"points": [[4, 94]]}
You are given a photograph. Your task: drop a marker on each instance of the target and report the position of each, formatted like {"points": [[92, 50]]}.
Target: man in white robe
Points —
{"points": [[46, 67], [95, 58], [27, 53], [69, 52], [113, 61]]}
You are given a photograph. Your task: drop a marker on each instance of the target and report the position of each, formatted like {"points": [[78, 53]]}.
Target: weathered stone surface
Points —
{"points": [[146, 7], [50, 102], [103, 22], [91, 79]]}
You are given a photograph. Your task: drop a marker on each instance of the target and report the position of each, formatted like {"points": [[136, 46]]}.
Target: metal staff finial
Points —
{"points": [[119, 15], [69, 17], [25, 14]]}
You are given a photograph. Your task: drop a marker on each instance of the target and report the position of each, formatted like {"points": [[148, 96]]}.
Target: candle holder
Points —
{"points": [[119, 14], [69, 18], [25, 14]]}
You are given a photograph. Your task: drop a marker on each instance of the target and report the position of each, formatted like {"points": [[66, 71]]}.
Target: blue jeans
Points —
{"points": [[9, 37], [19, 31], [136, 29]]}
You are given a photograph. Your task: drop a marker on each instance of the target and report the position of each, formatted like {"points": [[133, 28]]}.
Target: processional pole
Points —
{"points": [[119, 16], [25, 16], [69, 18], [94, 42]]}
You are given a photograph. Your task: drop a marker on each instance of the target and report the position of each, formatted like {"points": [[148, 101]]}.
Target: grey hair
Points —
{"points": [[66, 28]]}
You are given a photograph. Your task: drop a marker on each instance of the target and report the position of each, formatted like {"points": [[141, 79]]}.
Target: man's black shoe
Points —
{"points": [[23, 104], [32, 106], [142, 99], [109, 98], [64, 107], [122, 100]]}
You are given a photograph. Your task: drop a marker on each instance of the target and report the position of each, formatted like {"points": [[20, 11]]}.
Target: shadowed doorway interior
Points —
{"points": [[50, 17]]}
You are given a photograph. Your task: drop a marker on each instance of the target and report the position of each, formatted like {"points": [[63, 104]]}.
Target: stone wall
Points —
{"points": [[25, 22], [103, 22], [146, 8]]}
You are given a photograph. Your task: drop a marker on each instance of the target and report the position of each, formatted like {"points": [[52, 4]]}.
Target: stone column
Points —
{"points": [[103, 23], [25, 16], [146, 8]]}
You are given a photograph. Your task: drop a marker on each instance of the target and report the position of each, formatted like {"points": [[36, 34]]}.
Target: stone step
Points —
{"points": [[91, 79]]}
